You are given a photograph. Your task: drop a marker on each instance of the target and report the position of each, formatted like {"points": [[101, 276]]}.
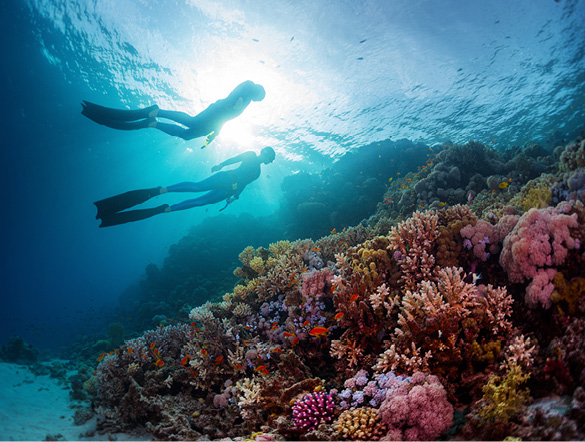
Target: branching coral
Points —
{"points": [[412, 243]]}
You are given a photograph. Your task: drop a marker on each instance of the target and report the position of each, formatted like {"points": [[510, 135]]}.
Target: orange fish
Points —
{"points": [[204, 353], [193, 372], [129, 350], [306, 323], [218, 360], [159, 363], [338, 316], [155, 353], [318, 331], [237, 366], [315, 249], [185, 360], [101, 356], [194, 326], [274, 327], [260, 368], [354, 297], [295, 341], [288, 335], [151, 346], [277, 350]]}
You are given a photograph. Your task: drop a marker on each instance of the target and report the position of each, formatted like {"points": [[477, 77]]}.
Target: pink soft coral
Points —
{"points": [[416, 409], [538, 244]]}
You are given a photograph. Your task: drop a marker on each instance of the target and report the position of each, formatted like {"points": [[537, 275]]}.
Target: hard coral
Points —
{"points": [[359, 424], [412, 243], [313, 409]]}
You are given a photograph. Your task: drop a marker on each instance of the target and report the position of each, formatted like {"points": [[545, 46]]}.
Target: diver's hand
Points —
{"points": [[228, 201]]}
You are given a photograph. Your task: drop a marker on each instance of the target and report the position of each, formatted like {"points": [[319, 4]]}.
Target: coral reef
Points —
{"points": [[455, 311]]}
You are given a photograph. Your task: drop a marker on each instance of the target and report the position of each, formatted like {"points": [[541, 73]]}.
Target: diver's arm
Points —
{"points": [[237, 159]]}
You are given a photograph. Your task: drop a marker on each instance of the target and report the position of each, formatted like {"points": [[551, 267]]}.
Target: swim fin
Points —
{"points": [[114, 219], [123, 201], [101, 113]]}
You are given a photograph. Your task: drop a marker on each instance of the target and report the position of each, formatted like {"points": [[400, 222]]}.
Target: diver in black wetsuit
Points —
{"points": [[207, 123], [220, 186]]}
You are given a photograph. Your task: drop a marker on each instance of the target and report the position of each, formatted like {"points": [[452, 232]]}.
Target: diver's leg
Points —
{"points": [[124, 201], [215, 196], [126, 125], [217, 181], [177, 116], [113, 219], [98, 113], [175, 130]]}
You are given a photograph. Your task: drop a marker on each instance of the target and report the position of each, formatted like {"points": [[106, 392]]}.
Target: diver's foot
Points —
{"points": [[152, 111], [151, 122]]}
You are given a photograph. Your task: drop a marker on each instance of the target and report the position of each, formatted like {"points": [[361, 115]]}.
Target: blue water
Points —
{"points": [[338, 75]]}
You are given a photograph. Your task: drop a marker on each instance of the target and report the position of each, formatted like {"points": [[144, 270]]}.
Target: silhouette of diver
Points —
{"points": [[207, 123], [226, 185]]}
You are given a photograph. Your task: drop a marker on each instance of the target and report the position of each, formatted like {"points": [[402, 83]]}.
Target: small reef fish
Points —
{"points": [[218, 360], [318, 331], [101, 356], [159, 363], [442, 204], [306, 323], [277, 350], [338, 316], [503, 184], [295, 341], [354, 297], [185, 360], [288, 335]]}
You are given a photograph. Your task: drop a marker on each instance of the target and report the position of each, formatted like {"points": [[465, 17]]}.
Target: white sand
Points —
{"points": [[32, 407]]}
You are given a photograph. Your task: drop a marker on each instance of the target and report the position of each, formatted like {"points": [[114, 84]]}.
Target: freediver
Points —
{"points": [[207, 123], [226, 185]]}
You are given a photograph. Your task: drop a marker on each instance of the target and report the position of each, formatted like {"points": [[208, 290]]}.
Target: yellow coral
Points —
{"points": [[240, 292], [280, 248], [535, 193], [570, 292], [257, 264], [241, 310], [247, 255], [502, 397], [359, 424]]}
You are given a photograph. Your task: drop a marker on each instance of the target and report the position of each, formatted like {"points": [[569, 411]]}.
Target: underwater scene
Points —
{"points": [[293, 220]]}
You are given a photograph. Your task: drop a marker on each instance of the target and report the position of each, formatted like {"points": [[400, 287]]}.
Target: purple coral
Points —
{"points": [[312, 409]]}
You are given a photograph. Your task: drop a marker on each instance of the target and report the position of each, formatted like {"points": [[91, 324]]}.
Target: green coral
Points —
{"points": [[502, 397]]}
